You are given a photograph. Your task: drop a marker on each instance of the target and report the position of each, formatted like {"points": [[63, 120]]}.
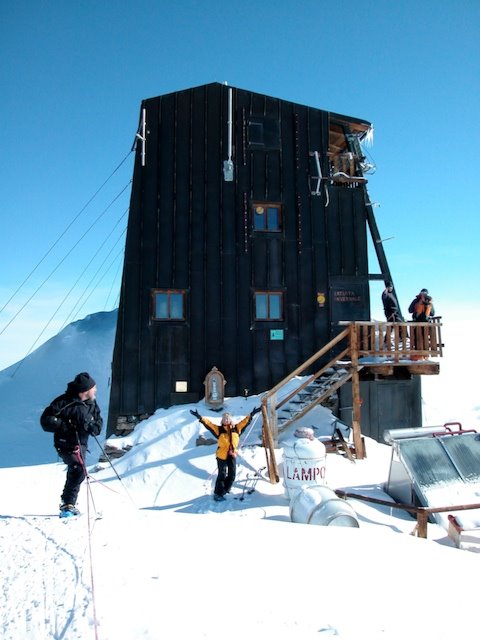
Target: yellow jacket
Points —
{"points": [[227, 437]]}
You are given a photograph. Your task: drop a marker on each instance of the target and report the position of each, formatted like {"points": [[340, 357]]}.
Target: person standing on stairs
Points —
{"points": [[228, 438]]}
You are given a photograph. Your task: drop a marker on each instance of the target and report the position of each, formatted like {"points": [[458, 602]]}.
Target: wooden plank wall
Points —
{"points": [[190, 229]]}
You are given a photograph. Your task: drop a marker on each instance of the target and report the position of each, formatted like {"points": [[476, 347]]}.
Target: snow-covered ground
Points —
{"points": [[165, 561]]}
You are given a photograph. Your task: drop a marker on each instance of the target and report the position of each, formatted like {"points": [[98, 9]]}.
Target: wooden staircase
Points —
{"points": [[314, 393], [379, 347]]}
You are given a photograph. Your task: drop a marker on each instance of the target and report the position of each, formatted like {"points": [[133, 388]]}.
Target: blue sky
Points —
{"points": [[73, 75]]}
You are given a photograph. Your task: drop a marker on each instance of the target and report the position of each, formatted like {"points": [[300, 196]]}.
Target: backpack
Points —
{"points": [[423, 309], [50, 420]]}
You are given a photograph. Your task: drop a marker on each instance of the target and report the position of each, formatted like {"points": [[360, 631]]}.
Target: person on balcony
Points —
{"points": [[390, 304], [422, 310], [421, 307]]}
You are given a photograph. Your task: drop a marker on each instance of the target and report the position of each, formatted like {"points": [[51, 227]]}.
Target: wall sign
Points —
{"points": [[349, 302]]}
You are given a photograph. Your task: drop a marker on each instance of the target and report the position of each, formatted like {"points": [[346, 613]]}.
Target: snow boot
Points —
{"points": [[217, 497], [68, 511]]}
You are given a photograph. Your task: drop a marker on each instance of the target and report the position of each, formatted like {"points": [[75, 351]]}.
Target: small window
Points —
{"points": [[169, 305], [267, 217], [263, 132], [268, 305], [255, 133]]}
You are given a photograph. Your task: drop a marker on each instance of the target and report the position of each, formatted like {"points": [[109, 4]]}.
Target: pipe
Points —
{"points": [[230, 123], [228, 163], [390, 435]]}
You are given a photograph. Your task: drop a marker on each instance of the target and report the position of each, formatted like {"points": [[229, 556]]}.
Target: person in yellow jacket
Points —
{"points": [[228, 438]]}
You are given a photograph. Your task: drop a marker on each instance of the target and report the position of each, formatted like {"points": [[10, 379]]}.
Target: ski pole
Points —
{"points": [[107, 457], [256, 478], [87, 477], [244, 487]]}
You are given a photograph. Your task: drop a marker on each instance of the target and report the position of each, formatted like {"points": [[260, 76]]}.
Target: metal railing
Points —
{"points": [[422, 513]]}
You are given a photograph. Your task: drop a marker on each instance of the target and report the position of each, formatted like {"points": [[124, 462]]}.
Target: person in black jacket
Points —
{"points": [[73, 417], [390, 304]]}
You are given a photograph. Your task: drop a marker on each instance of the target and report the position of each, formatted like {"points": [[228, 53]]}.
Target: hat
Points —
{"points": [[82, 382], [424, 291]]}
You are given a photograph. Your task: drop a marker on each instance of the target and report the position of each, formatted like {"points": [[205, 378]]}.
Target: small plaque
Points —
{"points": [[276, 334]]}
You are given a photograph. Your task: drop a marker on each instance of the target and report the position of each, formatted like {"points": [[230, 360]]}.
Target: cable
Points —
{"points": [[90, 530], [59, 307], [90, 553], [63, 259], [92, 279], [63, 233], [111, 288], [75, 310]]}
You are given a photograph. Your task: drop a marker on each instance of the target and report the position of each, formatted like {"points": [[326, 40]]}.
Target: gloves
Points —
{"points": [[195, 413], [89, 425], [254, 411]]}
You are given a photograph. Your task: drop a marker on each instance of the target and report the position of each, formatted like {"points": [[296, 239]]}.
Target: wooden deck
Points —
{"points": [[379, 347], [383, 347]]}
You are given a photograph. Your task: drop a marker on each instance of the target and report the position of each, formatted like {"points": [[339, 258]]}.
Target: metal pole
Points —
{"points": [[144, 125], [107, 457]]}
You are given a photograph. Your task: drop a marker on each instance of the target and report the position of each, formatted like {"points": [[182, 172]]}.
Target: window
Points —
{"points": [[266, 217], [255, 132], [268, 305], [168, 305], [263, 132]]}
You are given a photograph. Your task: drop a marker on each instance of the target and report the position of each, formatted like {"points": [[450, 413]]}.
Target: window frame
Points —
{"points": [[264, 132], [269, 294], [267, 205], [169, 293]]}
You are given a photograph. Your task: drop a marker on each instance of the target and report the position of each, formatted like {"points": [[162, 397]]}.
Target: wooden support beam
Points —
{"points": [[422, 522], [356, 399], [269, 448]]}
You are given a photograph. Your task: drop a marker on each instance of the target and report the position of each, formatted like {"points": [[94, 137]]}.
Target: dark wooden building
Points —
{"points": [[246, 244]]}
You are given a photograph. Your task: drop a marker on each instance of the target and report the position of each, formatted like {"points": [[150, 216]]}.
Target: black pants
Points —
{"points": [[226, 475], [76, 474]]}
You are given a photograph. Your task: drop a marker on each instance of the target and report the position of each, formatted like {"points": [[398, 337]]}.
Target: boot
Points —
{"points": [[68, 510]]}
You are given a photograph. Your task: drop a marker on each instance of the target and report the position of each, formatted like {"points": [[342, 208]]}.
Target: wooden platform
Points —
{"points": [[420, 368]]}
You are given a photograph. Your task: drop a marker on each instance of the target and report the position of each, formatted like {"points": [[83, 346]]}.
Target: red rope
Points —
{"points": [[90, 529]]}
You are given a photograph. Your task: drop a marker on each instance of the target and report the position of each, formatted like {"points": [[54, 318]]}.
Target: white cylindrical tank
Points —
{"points": [[304, 462], [320, 505]]}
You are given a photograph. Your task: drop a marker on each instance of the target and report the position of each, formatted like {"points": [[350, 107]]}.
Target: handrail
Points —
{"points": [[307, 363], [397, 340], [418, 340]]}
